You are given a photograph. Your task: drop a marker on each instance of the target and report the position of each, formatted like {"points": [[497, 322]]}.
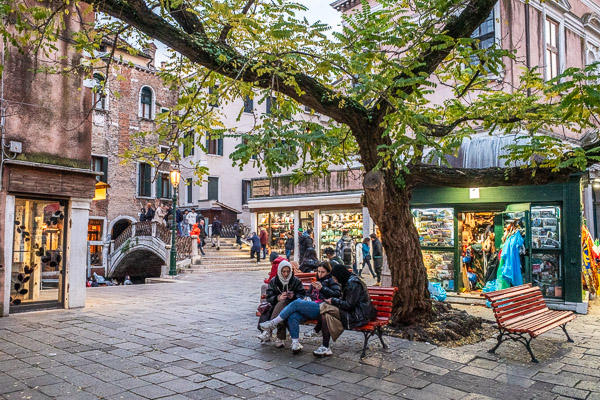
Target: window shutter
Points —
{"points": [[207, 143], [147, 181], [159, 187], [220, 147], [269, 105], [105, 169]]}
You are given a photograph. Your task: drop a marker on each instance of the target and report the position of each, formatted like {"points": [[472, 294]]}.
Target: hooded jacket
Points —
{"points": [[274, 268], [355, 304], [305, 242], [195, 231], [276, 287], [255, 243]]}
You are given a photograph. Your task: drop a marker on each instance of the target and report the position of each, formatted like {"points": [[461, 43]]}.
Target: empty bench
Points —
{"points": [[382, 299], [521, 311]]}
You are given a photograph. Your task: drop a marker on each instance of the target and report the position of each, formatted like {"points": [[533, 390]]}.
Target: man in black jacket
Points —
{"points": [[377, 257], [216, 232], [332, 257]]}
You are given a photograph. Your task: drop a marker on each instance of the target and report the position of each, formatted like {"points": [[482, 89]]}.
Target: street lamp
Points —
{"points": [[175, 177]]}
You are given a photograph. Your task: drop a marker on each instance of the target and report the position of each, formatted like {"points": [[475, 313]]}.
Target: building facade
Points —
{"points": [[46, 184], [128, 97]]}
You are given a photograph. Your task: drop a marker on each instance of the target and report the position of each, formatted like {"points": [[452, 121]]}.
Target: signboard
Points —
{"points": [[261, 187]]}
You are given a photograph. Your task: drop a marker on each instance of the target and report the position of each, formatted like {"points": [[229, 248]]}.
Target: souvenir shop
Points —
{"points": [[462, 230]]}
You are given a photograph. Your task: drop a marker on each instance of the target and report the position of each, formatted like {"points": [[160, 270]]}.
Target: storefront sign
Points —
{"points": [[261, 187]]}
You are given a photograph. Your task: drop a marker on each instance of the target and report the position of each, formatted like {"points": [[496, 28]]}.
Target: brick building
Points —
{"points": [[46, 184], [133, 95]]}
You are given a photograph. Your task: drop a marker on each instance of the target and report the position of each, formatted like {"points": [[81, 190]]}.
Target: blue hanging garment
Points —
{"points": [[510, 268]]}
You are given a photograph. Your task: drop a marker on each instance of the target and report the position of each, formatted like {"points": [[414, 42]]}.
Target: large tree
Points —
{"points": [[376, 80]]}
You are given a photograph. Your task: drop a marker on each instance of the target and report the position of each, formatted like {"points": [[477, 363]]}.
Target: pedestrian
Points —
{"points": [[305, 242], [377, 257], [196, 232], [191, 218], [332, 257], [149, 213], [345, 250], [203, 235], [179, 221], [169, 215], [289, 245], [216, 232], [264, 240], [127, 281], [366, 257], [255, 249], [159, 214], [310, 261], [237, 230], [185, 228]]}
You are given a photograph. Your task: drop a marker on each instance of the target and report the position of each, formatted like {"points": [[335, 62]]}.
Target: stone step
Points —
{"points": [[227, 265], [201, 271], [217, 261]]}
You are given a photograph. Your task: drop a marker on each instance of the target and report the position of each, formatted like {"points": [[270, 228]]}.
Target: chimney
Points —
{"points": [[151, 51]]}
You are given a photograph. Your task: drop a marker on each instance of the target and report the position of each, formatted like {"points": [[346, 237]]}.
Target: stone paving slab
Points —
{"points": [[198, 341]]}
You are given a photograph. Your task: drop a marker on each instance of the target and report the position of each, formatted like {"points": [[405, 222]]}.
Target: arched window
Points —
{"points": [[99, 92], [146, 103]]}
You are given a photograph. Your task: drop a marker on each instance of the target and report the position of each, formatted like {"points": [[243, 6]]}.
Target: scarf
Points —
{"points": [[284, 282]]}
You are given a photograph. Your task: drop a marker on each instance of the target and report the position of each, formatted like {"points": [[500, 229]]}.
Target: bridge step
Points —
{"points": [[227, 265], [241, 269]]}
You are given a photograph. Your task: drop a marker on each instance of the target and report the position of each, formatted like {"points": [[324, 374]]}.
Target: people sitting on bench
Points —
{"points": [[325, 287], [282, 290], [352, 310], [310, 262]]}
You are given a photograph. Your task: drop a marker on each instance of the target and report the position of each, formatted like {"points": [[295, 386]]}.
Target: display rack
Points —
{"points": [[440, 267], [281, 224], [333, 224], [545, 227], [546, 273], [435, 226]]}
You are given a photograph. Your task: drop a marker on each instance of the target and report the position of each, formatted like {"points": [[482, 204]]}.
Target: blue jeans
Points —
{"points": [[288, 253], [297, 312]]}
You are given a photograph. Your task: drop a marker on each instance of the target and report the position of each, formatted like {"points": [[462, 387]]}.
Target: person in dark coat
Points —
{"points": [[325, 287], [352, 310], [216, 232], [305, 242], [282, 290], [237, 230], [332, 257], [179, 220], [289, 245], [255, 249], [310, 261], [149, 214], [377, 257], [264, 240]]}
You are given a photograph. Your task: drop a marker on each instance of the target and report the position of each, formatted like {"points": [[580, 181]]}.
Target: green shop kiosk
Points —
{"points": [[460, 228]]}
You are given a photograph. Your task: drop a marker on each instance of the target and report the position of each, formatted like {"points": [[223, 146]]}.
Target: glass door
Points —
{"points": [[516, 220], [38, 253]]}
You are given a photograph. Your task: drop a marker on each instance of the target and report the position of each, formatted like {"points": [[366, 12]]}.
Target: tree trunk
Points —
{"points": [[390, 209]]}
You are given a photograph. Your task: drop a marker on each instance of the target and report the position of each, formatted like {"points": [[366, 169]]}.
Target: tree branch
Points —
{"points": [[227, 28], [189, 21]]}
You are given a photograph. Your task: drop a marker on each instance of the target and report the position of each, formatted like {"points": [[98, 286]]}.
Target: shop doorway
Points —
{"points": [[37, 278]]}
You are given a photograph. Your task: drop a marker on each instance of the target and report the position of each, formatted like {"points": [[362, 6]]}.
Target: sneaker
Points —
{"points": [[312, 333], [265, 336], [377, 284], [296, 347], [268, 326], [323, 351], [279, 343]]}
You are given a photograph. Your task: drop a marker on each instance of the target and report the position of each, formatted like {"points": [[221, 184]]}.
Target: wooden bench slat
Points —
{"points": [[553, 325], [521, 317], [494, 297], [532, 295], [524, 313], [498, 293], [532, 322], [519, 308]]}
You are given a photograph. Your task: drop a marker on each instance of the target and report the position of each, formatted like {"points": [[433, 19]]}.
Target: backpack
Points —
{"points": [[347, 251]]}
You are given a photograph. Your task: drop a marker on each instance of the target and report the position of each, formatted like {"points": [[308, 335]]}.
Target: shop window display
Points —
{"points": [[334, 223], [545, 227], [281, 224], [440, 267], [477, 247], [546, 272], [435, 226]]}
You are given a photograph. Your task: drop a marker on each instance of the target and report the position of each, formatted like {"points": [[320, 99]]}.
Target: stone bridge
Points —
{"points": [[141, 249]]}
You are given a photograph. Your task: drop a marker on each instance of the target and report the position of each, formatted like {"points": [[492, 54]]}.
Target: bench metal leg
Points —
{"points": [[564, 328], [528, 345], [517, 337], [364, 350], [380, 334], [499, 338]]}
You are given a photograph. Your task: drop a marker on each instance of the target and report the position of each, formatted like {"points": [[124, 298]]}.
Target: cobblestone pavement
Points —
{"points": [[196, 340]]}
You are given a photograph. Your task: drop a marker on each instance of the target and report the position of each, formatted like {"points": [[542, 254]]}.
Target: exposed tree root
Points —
{"points": [[448, 327]]}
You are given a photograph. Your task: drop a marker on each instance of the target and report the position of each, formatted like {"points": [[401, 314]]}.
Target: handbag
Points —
{"points": [[264, 308]]}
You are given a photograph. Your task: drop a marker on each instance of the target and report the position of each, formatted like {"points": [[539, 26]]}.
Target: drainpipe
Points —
{"points": [[527, 42]]}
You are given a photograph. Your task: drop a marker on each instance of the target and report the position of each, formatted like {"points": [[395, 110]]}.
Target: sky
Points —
{"points": [[318, 10]]}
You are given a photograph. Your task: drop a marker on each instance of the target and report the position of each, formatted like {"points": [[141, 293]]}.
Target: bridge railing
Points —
{"points": [[156, 230], [227, 231]]}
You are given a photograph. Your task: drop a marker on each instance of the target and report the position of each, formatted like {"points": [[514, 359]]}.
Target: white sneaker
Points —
{"points": [[323, 351], [279, 343], [268, 326], [265, 336], [296, 347], [312, 333]]}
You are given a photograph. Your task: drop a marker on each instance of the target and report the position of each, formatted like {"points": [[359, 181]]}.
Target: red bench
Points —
{"points": [[521, 311], [382, 299]]}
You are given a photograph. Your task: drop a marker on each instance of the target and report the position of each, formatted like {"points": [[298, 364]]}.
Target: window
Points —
{"points": [[213, 98], [213, 188], [99, 94], [100, 164], [189, 144], [551, 30], [485, 33], [245, 142], [271, 102], [144, 180], [245, 191], [189, 182], [146, 103], [163, 186], [248, 105], [214, 146]]}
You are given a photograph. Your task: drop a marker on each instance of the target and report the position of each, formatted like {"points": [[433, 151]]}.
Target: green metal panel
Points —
{"points": [[572, 241]]}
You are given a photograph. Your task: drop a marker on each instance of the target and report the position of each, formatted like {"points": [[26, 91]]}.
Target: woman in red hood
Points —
{"points": [[196, 231], [275, 259]]}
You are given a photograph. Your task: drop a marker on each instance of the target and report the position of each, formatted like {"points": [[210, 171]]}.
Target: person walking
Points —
{"points": [[196, 232], [191, 219], [289, 245], [255, 249], [179, 221], [185, 227], [149, 214], [305, 242], [160, 214], [264, 240], [345, 250], [216, 233], [366, 257], [377, 257], [237, 230]]}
